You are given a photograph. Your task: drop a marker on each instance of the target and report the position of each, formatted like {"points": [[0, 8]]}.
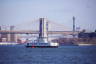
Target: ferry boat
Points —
{"points": [[42, 40], [42, 45]]}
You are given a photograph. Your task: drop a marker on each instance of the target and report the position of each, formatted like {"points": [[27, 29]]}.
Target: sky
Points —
{"points": [[14, 12]]}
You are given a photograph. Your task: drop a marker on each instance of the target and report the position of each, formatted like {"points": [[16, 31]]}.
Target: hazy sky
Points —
{"points": [[14, 12]]}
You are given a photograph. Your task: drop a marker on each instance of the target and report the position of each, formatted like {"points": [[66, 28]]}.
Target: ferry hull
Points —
{"points": [[42, 46]]}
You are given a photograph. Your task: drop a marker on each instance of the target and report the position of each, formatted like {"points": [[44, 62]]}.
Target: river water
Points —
{"points": [[17, 54]]}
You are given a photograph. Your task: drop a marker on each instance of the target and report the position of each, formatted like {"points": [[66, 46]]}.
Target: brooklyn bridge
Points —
{"points": [[11, 35]]}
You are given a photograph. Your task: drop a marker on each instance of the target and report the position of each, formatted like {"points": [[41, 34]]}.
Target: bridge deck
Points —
{"points": [[36, 32]]}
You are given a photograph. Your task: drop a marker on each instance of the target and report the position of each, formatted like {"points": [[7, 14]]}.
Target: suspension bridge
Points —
{"points": [[53, 28]]}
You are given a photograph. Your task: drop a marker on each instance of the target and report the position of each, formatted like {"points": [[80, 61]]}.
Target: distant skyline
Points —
{"points": [[13, 12]]}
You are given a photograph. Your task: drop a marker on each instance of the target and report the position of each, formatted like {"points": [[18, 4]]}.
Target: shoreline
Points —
{"points": [[8, 43], [86, 44], [12, 43]]}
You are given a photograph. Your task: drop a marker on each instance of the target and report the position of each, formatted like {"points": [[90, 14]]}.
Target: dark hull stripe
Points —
{"points": [[42, 46]]}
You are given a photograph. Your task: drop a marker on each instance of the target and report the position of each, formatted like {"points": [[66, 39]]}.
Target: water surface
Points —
{"points": [[18, 54]]}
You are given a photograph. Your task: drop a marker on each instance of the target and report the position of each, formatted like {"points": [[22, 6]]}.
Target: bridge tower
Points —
{"points": [[0, 35], [43, 28], [73, 27]]}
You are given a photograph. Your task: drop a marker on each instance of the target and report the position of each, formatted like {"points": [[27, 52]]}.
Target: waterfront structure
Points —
{"points": [[8, 37]]}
